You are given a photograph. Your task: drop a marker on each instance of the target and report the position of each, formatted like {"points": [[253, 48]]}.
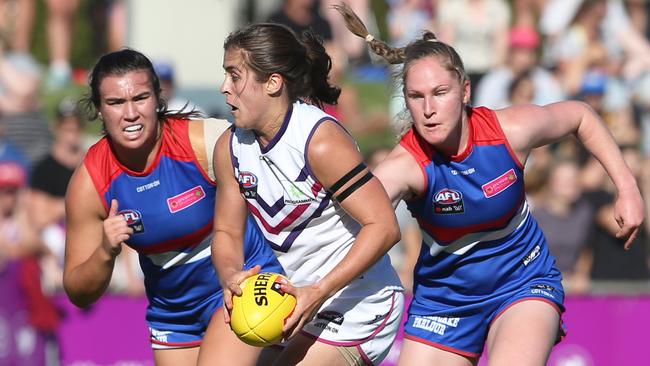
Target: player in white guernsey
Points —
{"points": [[300, 174]]}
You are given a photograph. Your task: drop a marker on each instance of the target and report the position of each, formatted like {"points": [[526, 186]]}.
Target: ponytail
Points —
{"points": [[426, 46], [379, 47], [320, 66]]}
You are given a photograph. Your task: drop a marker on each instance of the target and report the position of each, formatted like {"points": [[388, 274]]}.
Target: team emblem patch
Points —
{"points": [[448, 201], [248, 184], [133, 220]]}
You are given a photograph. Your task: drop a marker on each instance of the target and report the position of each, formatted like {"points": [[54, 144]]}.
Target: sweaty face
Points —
{"points": [[244, 94], [128, 109], [436, 99]]}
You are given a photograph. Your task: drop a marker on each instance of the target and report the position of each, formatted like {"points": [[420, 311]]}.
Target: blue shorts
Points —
{"points": [[182, 325], [465, 334]]}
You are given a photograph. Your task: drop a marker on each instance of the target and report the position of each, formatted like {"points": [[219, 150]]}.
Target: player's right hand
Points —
{"points": [[116, 231], [231, 287]]}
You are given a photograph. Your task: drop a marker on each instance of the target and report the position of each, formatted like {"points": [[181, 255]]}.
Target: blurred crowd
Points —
{"points": [[517, 51]]}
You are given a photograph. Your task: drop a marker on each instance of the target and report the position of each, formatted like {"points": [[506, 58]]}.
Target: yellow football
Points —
{"points": [[258, 315]]}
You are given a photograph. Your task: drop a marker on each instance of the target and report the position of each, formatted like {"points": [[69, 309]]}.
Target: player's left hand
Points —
{"points": [[308, 300], [629, 213]]}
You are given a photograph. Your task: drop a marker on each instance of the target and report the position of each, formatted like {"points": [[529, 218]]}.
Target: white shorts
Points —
{"points": [[370, 323]]}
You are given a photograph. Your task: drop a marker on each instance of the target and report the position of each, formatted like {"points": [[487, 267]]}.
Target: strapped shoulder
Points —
{"points": [[204, 135]]}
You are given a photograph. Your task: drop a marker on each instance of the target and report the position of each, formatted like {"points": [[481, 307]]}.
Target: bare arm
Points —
{"points": [[89, 252], [332, 154], [229, 225], [532, 126], [401, 175]]}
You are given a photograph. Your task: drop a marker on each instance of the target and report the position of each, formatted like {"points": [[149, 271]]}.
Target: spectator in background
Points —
{"points": [[49, 181], [522, 89], [166, 74], [566, 220], [16, 24], [9, 151], [20, 110], [524, 42], [478, 30], [603, 94], [353, 47], [60, 25], [301, 15], [406, 20], [581, 48], [23, 307], [609, 261]]}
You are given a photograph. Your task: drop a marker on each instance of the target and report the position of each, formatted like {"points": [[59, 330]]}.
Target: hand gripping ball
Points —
{"points": [[258, 315]]}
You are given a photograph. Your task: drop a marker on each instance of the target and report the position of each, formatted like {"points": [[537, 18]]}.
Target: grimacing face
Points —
{"points": [[128, 109], [436, 99]]}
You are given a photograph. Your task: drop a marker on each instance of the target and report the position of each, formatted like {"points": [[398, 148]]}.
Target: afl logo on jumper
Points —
{"points": [[133, 220], [248, 184], [448, 201]]}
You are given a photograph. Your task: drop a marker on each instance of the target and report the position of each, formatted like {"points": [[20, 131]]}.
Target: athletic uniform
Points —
{"points": [[311, 234], [482, 250], [170, 207]]}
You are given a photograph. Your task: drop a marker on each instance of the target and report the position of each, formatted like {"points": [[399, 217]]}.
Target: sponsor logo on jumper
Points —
{"points": [[532, 255], [133, 220], [295, 194], [331, 316], [448, 201], [499, 184], [435, 324], [248, 184], [463, 172], [185, 199], [148, 186]]}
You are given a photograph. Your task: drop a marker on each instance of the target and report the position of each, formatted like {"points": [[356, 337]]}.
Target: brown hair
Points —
{"points": [[269, 48], [120, 63]]}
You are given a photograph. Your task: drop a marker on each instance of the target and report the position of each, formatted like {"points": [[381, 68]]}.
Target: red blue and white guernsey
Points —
{"points": [[482, 250], [170, 206], [311, 233]]}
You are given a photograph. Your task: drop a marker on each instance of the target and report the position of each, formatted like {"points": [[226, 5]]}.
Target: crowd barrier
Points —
{"points": [[602, 330]]}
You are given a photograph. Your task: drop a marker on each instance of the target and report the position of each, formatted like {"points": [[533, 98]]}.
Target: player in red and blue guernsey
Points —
{"points": [[149, 184], [484, 276]]}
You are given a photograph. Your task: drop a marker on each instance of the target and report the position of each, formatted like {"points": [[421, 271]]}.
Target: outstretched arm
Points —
{"points": [[532, 126], [401, 175]]}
